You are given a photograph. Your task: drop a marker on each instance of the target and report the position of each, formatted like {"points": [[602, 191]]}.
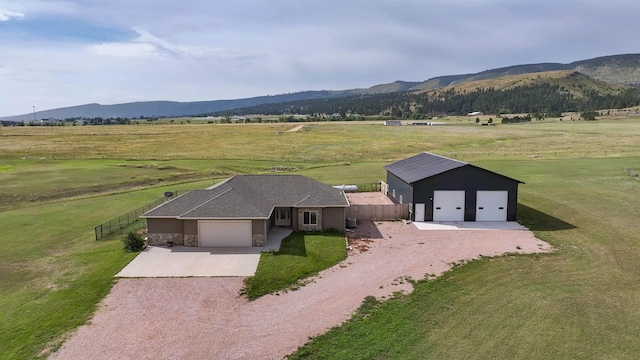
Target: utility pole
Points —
{"points": [[34, 114]]}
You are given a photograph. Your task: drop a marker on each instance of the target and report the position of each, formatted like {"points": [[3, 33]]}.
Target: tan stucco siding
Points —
{"points": [[191, 227], [269, 223], [257, 227], [333, 218], [294, 219], [167, 226]]}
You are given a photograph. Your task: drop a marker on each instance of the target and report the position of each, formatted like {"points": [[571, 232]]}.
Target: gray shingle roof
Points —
{"points": [[422, 166], [425, 165], [251, 196]]}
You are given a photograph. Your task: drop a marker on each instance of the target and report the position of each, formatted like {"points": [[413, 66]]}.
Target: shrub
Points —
{"points": [[133, 242], [589, 115]]}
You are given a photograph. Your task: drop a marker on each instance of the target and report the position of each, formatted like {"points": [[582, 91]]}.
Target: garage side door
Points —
{"points": [[492, 205], [217, 233], [448, 205], [419, 212]]}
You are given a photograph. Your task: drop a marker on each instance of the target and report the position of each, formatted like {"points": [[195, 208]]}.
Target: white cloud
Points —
{"points": [[206, 50], [147, 45], [124, 50], [6, 15]]}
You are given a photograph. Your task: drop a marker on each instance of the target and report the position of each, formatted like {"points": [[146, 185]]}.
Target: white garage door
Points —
{"points": [[491, 205], [448, 205], [224, 233]]}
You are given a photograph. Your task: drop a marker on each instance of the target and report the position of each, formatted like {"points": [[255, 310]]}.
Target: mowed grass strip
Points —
{"points": [[32, 181], [301, 255], [578, 302]]}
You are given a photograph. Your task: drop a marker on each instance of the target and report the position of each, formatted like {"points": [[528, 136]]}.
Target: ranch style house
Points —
{"points": [[241, 210]]}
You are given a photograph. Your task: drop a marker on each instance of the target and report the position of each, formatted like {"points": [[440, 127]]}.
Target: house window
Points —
{"points": [[400, 199], [310, 218], [394, 193]]}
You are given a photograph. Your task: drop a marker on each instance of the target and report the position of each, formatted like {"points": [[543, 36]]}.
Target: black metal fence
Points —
{"points": [[129, 221]]}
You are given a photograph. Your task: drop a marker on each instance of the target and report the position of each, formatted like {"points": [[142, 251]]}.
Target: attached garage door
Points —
{"points": [[492, 205], [448, 205], [224, 233]]}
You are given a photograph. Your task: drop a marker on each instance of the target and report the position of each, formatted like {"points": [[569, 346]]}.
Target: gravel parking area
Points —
{"points": [[204, 318], [368, 198]]}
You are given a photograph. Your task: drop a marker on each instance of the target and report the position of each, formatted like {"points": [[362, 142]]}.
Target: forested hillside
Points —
{"points": [[549, 94]]}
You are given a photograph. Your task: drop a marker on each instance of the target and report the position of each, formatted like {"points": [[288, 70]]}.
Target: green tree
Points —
{"points": [[589, 115]]}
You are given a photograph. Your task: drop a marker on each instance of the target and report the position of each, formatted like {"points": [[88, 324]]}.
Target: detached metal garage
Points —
{"points": [[443, 189]]}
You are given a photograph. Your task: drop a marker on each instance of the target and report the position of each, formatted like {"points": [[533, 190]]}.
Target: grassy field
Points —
{"points": [[301, 255], [46, 163], [320, 142], [580, 302]]}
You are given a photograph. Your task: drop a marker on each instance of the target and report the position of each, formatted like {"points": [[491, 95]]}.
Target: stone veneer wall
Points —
{"points": [[257, 240], [302, 226], [191, 240], [161, 239]]}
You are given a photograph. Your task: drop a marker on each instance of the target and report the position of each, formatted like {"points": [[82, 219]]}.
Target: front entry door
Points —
{"points": [[283, 217]]}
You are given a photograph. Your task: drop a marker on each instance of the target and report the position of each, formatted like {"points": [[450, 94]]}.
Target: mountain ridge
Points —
{"points": [[623, 69]]}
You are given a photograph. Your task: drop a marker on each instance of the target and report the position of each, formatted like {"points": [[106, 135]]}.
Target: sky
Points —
{"points": [[58, 53]]}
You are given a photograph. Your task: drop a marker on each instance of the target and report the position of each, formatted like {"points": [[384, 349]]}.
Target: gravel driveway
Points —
{"points": [[204, 318]]}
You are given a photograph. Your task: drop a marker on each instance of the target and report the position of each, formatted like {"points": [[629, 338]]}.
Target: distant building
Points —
{"points": [[392, 123], [430, 123], [475, 113], [49, 121]]}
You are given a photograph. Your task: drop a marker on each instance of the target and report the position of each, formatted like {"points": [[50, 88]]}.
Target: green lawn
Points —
{"points": [[301, 255]]}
